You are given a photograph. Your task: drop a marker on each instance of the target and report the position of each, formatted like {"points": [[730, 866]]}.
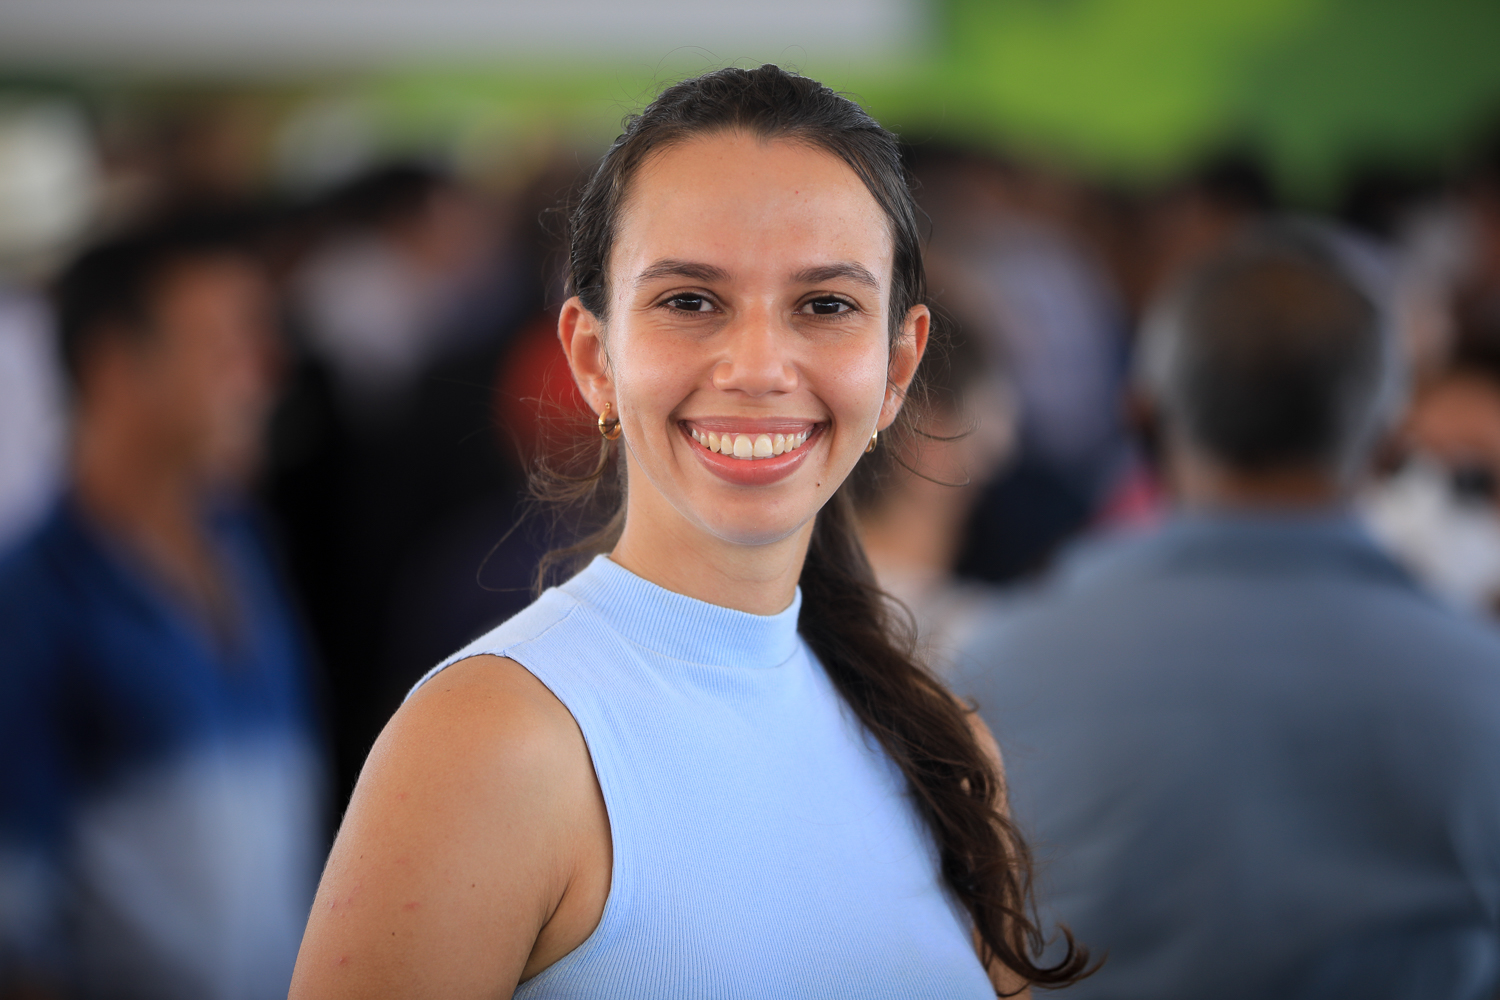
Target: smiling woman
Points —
{"points": [[708, 764]]}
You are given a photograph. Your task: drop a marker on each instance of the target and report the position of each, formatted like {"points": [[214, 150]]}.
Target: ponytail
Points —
{"points": [[869, 654]]}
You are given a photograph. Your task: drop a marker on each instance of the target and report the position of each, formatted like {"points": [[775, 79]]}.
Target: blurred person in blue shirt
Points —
{"points": [[1257, 759], [160, 778]]}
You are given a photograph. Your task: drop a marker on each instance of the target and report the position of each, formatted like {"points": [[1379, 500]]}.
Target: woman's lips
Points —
{"points": [[752, 454]]}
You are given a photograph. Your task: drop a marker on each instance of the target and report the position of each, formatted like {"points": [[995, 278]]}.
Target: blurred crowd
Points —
{"points": [[269, 434]]}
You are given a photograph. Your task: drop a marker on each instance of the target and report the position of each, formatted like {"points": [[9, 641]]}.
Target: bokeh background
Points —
{"points": [[404, 164]]}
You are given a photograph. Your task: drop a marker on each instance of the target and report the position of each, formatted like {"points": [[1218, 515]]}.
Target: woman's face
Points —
{"points": [[747, 352]]}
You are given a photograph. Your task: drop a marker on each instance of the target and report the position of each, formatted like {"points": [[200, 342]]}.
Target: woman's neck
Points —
{"points": [[664, 548]]}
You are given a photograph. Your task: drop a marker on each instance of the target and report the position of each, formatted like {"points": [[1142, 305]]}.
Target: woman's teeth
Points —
{"points": [[750, 446]]}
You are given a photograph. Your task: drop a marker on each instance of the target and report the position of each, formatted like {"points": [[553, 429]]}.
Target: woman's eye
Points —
{"points": [[827, 307], [689, 303]]}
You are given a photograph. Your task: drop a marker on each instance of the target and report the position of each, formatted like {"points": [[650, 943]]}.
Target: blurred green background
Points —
{"points": [[1126, 89]]}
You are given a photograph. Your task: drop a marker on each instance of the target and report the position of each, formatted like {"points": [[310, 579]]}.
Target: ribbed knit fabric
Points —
{"points": [[763, 845]]}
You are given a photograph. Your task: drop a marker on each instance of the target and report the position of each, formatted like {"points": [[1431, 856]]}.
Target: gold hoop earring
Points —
{"points": [[608, 429], [871, 446]]}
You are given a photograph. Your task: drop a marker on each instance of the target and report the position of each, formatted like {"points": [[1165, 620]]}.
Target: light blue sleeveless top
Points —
{"points": [[763, 845]]}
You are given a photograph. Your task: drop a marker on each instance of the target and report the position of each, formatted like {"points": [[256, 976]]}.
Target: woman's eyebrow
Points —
{"points": [[841, 269], [669, 268]]}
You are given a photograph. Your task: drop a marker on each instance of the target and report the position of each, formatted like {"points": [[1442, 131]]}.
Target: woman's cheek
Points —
{"points": [[650, 376], [859, 386]]}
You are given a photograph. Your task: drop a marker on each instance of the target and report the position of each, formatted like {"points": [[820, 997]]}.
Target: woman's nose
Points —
{"points": [[756, 359]]}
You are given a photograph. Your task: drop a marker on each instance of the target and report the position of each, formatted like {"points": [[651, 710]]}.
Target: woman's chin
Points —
{"points": [[755, 534]]}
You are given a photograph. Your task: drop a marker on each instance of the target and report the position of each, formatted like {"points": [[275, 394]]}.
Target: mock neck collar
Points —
{"points": [[683, 627]]}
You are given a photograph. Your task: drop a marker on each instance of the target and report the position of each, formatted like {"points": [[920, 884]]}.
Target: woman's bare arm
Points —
{"points": [[475, 851]]}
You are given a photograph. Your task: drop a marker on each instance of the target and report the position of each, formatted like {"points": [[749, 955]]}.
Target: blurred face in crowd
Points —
{"points": [[1457, 421], [747, 349], [198, 386]]}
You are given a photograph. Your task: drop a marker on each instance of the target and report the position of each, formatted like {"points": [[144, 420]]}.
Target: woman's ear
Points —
{"points": [[906, 355], [582, 339]]}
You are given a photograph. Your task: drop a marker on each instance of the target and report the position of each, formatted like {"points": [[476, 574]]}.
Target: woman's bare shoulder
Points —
{"points": [[484, 731], [478, 692], [476, 813]]}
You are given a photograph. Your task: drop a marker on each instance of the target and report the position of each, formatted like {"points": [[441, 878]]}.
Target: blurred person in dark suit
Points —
{"points": [[389, 474], [1256, 758], [408, 271], [160, 778]]}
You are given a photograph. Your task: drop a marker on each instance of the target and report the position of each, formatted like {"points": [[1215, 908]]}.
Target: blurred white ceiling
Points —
{"points": [[167, 35]]}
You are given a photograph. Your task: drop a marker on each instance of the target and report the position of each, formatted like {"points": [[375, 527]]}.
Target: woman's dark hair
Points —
{"points": [[864, 644]]}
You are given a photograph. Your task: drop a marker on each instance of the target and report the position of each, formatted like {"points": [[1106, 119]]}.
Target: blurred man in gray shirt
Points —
{"points": [[1256, 759]]}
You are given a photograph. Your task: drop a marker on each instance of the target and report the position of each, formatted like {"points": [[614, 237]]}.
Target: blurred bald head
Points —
{"points": [[1270, 363]]}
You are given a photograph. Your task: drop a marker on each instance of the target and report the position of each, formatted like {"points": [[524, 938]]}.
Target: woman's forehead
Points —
{"points": [[744, 206]]}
